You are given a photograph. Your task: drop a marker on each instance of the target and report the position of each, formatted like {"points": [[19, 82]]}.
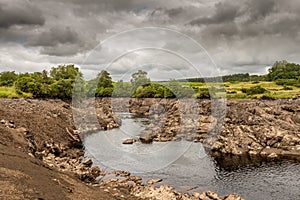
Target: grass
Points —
{"points": [[10, 92], [233, 89]]}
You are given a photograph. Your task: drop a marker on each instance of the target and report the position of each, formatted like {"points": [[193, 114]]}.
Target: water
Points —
{"points": [[192, 170]]}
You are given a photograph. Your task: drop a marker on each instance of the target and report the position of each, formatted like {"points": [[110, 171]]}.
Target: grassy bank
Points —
{"points": [[10, 92]]}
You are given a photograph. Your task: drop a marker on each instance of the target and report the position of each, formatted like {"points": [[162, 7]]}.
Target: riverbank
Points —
{"points": [[266, 128], [42, 156]]}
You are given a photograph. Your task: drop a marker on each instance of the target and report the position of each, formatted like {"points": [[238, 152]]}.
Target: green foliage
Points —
{"points": [[283, 70], [203, 93], [138, 79], [10, 92], [287, 88], [104, 80], [65, 72], [62, 89], [122, 89], [40, 85], [8, 78], [254, 90], [289, 82]]}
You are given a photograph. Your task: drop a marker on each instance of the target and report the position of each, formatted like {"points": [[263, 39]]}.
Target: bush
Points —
{"points": [[254, 90], [287, 88], [203, 93], [289, 82], [267, 97]]}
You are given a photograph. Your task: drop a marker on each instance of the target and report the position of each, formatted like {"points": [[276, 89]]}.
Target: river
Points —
{"points": [[185, 166]]}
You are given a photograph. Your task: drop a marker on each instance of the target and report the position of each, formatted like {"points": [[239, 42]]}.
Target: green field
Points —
{"points": [[234, 89]]}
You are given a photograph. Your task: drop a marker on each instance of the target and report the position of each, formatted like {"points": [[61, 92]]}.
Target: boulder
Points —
{"points": [[129, 141], [152, 181]]}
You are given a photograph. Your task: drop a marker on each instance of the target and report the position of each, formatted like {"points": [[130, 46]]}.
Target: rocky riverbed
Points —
{"points": [[255, 127], [42, 154]]}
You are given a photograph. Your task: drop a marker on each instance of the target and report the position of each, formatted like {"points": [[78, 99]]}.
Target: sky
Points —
{"points": [[186, 38]]}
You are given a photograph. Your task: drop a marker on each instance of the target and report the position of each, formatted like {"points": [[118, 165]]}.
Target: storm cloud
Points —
{"points": [[19, 13], [240, 36]]}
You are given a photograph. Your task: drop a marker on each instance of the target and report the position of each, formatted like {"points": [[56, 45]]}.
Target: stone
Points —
{"points": [[212, 195], [146, 140], [233, 197], [273, 155], [196, 195], [88, 162], [129, 141], [152, 181]]}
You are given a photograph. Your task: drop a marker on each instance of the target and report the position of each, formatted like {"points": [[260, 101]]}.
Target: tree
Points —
{"points": [[29, 85], [65, 72], [283, 70], [104, 84], [8, 78], [122, 89], [104, 79], [63, 81], [139, 78]]}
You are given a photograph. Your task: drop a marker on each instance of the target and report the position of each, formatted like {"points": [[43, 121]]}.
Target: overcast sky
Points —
{"points": [[238, 36]]}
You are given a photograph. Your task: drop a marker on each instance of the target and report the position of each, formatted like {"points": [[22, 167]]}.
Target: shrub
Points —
{"points": [[254, 90], [287, 88]]}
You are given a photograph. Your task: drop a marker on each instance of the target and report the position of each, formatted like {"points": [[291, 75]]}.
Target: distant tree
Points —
{"points": [[104, 79], [65, 72], [139, 78], [104, 84], [8, 78], [122, 89], [283, 70], [64, 77]]}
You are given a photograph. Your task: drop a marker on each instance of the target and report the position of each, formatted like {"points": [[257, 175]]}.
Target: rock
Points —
{"points": [[196, 195], [2, 121], [152, 181], [212, 195], [217, 145], [146, 137], [88, 162], [273, 155], [129, 141], [233, 197]]}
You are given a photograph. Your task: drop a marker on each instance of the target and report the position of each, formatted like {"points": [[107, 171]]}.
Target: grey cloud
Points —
{"points": [[240, 35], [19, 13], [224, 12], [258, 9], [55, 36]]}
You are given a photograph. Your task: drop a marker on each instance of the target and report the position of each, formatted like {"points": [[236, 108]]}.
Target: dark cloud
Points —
{"points": [[224, 12], [55, 36], [19, 13], [240, 35], [259, 9]]}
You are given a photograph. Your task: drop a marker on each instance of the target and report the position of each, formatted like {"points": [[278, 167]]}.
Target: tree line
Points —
{"points": [[59, 83]]}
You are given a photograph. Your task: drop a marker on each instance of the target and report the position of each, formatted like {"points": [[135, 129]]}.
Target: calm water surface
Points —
{"points": [[192, 171]]}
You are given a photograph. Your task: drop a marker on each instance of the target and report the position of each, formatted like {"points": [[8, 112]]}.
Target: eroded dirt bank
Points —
{"points": [[42, 156]]}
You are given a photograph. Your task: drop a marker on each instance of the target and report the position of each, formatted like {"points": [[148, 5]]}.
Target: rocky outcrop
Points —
{"points": [[255, 127], [266, 128]]}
